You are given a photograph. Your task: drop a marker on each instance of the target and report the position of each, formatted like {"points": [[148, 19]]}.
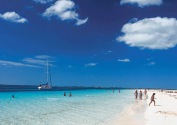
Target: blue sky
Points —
{"points": [[89, 42]]}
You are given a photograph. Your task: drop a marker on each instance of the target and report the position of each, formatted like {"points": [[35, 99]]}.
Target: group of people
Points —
{"points": [[140, 94], [70, 94], [145, 93]]}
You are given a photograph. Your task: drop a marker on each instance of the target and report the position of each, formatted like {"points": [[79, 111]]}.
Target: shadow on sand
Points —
{"points": [[158, 105]]}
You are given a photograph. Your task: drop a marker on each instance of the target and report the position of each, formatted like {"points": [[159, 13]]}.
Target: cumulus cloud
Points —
{"points": [[150, 33], [133, 20], [13, 17], [123, 60], [9, 63], [142, 3], [64, 10], [90, 64], [43, 1]]}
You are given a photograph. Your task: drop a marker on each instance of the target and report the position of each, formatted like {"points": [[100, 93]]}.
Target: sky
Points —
{"points": [[109, 43]]}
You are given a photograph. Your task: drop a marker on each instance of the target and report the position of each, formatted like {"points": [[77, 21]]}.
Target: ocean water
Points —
{"points": [[85, 107]]}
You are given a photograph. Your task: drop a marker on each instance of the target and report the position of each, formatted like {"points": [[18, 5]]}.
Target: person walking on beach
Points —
{"points": [[141, 94], [136, 94], [152, 99]]}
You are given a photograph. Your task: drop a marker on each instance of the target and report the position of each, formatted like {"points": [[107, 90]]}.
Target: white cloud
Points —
{"points": [[80, 22], [90, 64], [9, 63], [151, 33], [39, 60], [151, 63], [123, 60], [13, 17], [35, 61], [43, 57], [64, 10], [108, 52], [133, 20], [43, 1], [142, 3]]}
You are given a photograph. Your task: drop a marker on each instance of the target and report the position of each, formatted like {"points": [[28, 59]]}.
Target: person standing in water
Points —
{"points": [[152, 99], [70, 94], [136, 94], [64, 93]]}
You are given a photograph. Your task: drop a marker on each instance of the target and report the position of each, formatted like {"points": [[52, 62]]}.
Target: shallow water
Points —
{"points": [[85, 107]]}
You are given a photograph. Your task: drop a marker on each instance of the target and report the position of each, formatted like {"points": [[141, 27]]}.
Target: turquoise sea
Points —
{"points": [[85, 107]]}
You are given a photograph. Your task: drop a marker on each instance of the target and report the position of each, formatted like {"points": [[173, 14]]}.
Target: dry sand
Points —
{"points": [[140, 113], [165, 111]]}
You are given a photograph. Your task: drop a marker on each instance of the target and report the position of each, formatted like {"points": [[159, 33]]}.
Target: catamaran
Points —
{"points": [[48, 84]]}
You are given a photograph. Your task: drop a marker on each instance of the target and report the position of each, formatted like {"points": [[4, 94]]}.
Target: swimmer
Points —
{"points": [[64, 93], [70, 94]]}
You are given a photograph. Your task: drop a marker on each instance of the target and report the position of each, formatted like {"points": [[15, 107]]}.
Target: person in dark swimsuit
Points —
{"points": [[141, 94], [64, 93], [136, 94], [152, 99], [70, 94]]}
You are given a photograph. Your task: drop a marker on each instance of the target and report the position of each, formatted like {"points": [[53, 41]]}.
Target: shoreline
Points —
{"points": [[132, 114]]}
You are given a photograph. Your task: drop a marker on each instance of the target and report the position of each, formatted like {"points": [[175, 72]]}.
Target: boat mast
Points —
{"points": [[47, 71], [49, 74], [50, 77]]}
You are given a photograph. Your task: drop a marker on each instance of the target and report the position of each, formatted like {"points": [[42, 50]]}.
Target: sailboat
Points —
{"points": [[48, 84]]}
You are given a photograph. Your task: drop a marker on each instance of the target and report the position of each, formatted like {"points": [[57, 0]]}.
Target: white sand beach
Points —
{"points": [[140, 113], [165, 111]]}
